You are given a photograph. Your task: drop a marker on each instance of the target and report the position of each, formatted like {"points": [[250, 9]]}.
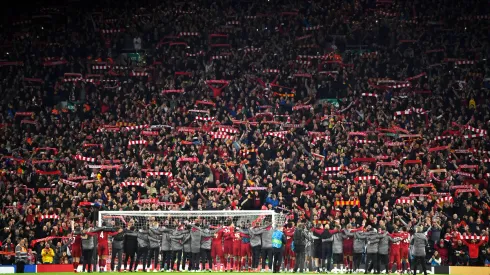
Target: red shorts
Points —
{"points": [[236, 249], [395, 257], [245, 250], [228, 247], [76, 252], [288, 252], [103, 249], [348, 250], [216, 250], [404, 253]]}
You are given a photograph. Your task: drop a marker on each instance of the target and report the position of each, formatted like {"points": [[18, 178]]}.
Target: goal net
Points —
{"points": [[175, 219], [142, 219]]}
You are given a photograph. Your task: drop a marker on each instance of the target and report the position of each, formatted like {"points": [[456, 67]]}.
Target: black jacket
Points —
{"points": [[130, 241], [299, 237], [118, 241]]}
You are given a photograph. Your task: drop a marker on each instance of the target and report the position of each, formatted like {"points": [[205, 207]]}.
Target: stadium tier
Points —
{"points": [[326, 136]]}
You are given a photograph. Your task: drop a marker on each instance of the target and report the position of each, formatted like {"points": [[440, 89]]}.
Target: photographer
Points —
{"points": [[435, 260]]}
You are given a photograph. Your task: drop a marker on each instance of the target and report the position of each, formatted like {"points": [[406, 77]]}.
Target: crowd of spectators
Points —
{"points": [[324, 110]]}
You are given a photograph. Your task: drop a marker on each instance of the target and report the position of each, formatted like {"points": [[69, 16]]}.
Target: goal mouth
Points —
{"points": [[211, 218], [171, 230]]}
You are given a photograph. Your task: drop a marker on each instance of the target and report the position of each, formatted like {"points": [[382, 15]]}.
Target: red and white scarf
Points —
{"points": [[362, 178], [281, 134], [370, 95], [332, 169], [205, 118], [137, 127], [137, 142], [153, 173], [132, 183], [82, 158]]}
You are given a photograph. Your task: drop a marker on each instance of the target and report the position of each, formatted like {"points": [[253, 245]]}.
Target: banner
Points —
{"points": [[473, 270]]}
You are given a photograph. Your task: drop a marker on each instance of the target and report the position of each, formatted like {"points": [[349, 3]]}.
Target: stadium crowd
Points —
{"points": [[358, 114]]}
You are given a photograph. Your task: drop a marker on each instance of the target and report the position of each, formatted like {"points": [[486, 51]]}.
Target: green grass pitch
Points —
{"points": [[188, 273]]}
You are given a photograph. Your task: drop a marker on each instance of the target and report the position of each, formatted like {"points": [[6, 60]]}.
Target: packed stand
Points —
{"points": [[223, 106]]}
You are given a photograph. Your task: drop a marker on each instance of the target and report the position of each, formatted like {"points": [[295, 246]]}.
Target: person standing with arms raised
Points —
{"points": [[256, 243], [418, 243], [267, 247]]}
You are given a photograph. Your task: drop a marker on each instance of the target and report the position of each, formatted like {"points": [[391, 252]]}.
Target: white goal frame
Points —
{"points": [[183, 213]]}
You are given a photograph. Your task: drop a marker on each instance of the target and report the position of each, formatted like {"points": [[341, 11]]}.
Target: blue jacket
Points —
{"points": [[278, 239], [271, 201]]}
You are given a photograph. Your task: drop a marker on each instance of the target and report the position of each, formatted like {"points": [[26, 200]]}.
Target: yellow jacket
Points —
{"points": [[47, 255]]}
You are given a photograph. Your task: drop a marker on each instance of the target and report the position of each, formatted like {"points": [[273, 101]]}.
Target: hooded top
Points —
{"points": [[143, 238], [118, 241], [372, 239], [255, 236], [186, 242], [196, 235], [338, 243], [359, 242], [418, 242], [384, 243], [88, 243], [153, 237], [267, 237], [177, 239], [163, 233], [206, 238]]}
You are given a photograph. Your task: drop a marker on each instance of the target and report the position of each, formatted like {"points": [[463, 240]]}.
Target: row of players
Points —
{"points": [[238, 248]]}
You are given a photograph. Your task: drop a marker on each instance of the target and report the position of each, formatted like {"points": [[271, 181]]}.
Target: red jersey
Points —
{"points": [[228, 233], [78, 241], [289, 232], [395, 246], [102, 238], [405, 242], [218, 237], [237, 239], [348, 242]]}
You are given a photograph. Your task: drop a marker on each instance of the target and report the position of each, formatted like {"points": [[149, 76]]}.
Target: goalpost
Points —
{"points": [[174, 219], [171, 218]]}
